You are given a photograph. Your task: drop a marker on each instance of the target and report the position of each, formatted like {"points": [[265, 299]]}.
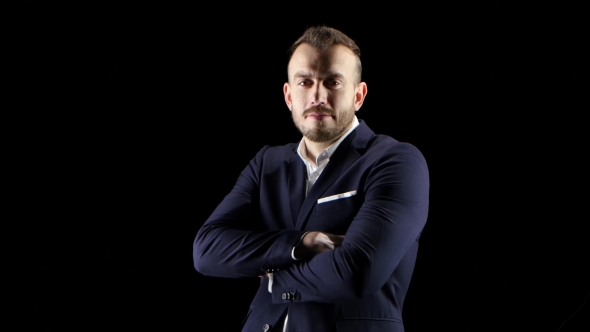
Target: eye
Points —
{"points": [[333, 83], [304, 82]]}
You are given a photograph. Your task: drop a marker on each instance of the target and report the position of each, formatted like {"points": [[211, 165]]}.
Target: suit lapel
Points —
{"points": [[296, 184]]}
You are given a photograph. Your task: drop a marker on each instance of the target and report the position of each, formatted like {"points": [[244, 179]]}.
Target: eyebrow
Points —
{"points": [[302, 74], [331, 74]]}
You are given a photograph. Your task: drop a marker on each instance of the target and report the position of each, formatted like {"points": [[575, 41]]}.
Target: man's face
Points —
{"points": [[321, 92]]}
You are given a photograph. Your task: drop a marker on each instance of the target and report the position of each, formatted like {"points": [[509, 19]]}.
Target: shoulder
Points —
{"points": [[367, 141], [399, 163], [277, 151], [269, 160], [388, 147], [270, 155], [393, 161]]}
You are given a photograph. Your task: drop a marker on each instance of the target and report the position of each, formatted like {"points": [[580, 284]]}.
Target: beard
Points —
{"points": [[320, 131]]}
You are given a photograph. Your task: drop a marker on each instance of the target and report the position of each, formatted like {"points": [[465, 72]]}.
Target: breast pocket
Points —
{"points": [[335, 216], [341, 203], [338, 201]]}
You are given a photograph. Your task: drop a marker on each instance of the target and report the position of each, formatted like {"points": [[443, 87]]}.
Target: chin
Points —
{"points": [[320, 135]]}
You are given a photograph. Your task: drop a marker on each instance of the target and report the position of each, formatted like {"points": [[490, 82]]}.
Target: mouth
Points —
{"points": [[318, 116]]}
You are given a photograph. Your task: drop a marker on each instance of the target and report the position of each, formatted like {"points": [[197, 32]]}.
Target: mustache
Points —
{"points": [[319, 110]]}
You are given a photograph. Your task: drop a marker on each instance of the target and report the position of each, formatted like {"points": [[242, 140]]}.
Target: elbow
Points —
{"points": [[356, 288], [367, 279], [198, 262], [207, 262], [202, 264], [371, 279], [201, 261], [203, 258], [366, 289], [356, 285]]}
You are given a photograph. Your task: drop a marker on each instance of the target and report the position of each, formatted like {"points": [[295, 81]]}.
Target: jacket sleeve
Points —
{"points": [[388, 222], [232, 243]]}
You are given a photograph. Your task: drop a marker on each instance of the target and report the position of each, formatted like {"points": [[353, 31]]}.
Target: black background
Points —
{"points": [[133, 120]]}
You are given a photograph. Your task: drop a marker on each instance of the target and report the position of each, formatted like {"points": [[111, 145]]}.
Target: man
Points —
{"points": [[331, 223]]}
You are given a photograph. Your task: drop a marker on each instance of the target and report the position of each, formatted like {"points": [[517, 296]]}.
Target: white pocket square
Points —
{"points": [[337, 196]]}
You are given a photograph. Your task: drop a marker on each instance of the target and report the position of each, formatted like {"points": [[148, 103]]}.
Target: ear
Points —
{"points": [[360, 92], [287, 93]]}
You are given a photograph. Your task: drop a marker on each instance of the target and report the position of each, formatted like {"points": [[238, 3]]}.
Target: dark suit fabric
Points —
{"points": [[359, 286]]}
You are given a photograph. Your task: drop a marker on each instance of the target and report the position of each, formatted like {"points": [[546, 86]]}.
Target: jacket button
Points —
{"points": [[266, 327], [297, 296], [286, 296]]}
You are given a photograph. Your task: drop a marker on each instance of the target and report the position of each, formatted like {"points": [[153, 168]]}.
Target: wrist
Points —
{"points": [[296, 252]]}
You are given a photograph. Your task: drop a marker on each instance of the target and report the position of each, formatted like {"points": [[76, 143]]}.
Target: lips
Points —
{"points": [[316, 113], [318, 116]]}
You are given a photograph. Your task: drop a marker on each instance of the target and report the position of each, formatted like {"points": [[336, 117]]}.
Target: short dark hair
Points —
{"points": [[323, 37]]}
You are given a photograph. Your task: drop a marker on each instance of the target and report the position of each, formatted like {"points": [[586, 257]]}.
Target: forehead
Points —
{"points": [[309, 59]]}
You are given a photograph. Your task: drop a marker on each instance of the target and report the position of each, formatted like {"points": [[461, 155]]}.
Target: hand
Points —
{"points": [[314, 243]]}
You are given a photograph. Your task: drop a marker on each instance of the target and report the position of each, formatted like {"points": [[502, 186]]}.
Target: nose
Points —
{"points": [[319, 95]]}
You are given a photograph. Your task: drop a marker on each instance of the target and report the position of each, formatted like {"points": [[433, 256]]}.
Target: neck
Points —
{"points": [[313, 149]]}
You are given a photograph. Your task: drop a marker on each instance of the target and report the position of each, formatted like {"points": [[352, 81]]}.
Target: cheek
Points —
{"points": [[336, 100], [298, 100], [343, 99]]}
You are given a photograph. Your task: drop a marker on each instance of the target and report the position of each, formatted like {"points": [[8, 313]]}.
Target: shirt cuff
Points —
{"points": [[293, 250]]}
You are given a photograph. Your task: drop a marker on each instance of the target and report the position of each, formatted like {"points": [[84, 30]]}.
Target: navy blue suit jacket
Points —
{"points": [[359, 286]]}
